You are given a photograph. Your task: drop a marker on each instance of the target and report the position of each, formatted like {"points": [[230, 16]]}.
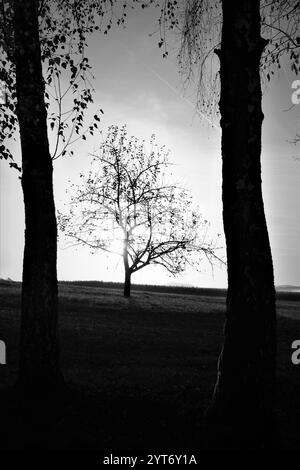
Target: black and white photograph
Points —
{"points": [[149, 229]]}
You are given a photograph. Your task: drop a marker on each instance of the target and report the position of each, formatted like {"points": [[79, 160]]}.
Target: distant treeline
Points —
{"points": [[188, 290], [204, 291], [151, 288]]}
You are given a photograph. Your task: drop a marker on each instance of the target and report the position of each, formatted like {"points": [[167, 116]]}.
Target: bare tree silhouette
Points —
{"points": [[128, 198]]}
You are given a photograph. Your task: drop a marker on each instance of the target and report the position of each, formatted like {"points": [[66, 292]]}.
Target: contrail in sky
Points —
{"points": [[163, 80], [182, 97]]}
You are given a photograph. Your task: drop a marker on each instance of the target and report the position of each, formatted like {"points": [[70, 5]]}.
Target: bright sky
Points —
{"points": [[134, 85]]}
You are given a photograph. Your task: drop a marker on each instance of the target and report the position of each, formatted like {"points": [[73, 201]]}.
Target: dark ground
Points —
{"points": [[142, 371]]}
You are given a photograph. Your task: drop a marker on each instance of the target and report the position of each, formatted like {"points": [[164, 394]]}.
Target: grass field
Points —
{"points": [[145, 368]]}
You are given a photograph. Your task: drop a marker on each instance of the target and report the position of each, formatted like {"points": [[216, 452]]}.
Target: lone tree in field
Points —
{"points": [[244, 37], [127, 202]]}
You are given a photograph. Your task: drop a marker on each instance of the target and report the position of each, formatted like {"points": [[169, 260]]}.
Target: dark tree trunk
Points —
{"points": [[245, 385], [39, 350], [127, 283]]}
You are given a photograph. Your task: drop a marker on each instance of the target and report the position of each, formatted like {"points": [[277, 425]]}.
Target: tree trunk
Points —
{"points": [[245, 386], [39, 371], [127, 283]]}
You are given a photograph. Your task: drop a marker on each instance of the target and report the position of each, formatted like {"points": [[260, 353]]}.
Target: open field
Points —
{"points": [[146, 367]]}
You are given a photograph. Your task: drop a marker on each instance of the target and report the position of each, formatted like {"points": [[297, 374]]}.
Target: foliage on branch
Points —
{"points": [[198, 24], [64, 30]]}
